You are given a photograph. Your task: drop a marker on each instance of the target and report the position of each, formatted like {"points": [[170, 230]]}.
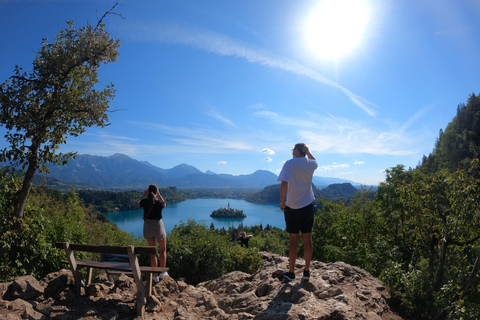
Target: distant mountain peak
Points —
{"points": [[121, 172]]}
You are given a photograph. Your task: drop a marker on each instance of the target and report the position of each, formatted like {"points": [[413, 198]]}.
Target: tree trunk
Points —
{"points": [[468, 282], [27, 185], [463, 289], [437, 283]]}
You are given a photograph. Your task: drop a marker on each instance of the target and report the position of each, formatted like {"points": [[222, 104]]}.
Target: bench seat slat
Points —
{"points": [[107, 249], [119, 266]]}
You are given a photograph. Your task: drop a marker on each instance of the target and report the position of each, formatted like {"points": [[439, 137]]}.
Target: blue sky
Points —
{"points": [[231, 86]]}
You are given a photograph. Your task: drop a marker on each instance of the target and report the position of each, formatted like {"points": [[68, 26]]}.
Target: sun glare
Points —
{"points": [[335, 27]]}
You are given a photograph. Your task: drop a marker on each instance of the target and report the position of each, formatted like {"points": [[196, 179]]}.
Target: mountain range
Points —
{"points": [[120, 172]]}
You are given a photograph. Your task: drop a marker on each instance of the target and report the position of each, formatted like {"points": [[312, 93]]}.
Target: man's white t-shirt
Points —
{"points": [[298, 172]]}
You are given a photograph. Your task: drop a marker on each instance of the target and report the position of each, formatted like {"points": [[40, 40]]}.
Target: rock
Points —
{"points": [[56, 282], [334, 291], [153, 305], [26, 288], [4, 288]]}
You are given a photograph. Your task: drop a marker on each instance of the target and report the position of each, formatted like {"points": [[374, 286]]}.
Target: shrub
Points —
{"points": [[198, 253]]}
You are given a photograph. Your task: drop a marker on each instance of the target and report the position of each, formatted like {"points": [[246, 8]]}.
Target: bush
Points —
{"points": [[198, 253], [246, 259], [27, 245]]}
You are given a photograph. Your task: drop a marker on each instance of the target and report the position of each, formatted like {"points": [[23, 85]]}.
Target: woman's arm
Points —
{"points": [[161, 198], [143, 196]]}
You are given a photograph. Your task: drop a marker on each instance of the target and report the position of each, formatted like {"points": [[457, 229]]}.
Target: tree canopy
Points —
{"points": [[59, 97], [460, 142]]}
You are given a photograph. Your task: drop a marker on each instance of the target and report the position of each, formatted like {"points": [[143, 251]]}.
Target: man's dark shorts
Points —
{"points": [[300, 219]]}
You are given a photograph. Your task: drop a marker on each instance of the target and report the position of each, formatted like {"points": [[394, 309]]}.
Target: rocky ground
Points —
{"points": [[334, 291]]}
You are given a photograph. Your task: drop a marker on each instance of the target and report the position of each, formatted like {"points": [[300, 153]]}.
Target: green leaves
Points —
{"points": [[57, 99], [198, 253]]}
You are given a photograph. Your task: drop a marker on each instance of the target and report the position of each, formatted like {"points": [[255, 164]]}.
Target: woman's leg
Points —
{"points": [[153, 257], [163, 252]]}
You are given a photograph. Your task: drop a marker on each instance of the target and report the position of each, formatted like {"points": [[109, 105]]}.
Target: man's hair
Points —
{"points": [[299, 146]]}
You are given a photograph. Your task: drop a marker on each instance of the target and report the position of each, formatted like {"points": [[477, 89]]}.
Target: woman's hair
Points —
{"points": [[152, 191]]}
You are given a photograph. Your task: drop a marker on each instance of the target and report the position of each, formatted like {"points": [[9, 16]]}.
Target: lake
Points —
{"points": [[200, 210]]}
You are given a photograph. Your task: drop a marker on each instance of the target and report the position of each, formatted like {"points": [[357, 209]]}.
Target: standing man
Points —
{"points": [[296, 184]]}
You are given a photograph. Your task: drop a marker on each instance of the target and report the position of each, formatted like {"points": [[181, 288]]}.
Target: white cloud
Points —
{"points": [[268, 159], [221, 44], [332, 167], [198, 140], [282, 120], [344, 136], [216, 115], [222, 163], [358, 162], [268, 151]]}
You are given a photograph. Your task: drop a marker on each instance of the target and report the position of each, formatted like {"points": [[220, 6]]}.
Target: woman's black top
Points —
{"points": [[156, 212]]}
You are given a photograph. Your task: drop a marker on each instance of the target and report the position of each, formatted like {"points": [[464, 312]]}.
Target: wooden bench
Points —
{"points": [[112, 257], [132, 266]]}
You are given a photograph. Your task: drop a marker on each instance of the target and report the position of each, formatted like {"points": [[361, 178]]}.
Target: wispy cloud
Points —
{"points": [[358, 162], [282, 120], [221, 44], [103, 145], [198, 140], [217, 116], [414, 119], [268, 159], [222, 163], [363, 141], [344, 136], [333, 167]]}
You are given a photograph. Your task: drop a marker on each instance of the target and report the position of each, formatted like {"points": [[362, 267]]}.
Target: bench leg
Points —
{"points": [[73, 266], [148, 290], [137, 276], [89, 276]]}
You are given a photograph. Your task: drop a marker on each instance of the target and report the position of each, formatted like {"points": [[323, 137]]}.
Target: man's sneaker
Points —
{"points": [[156, 278], [306, 274], [288, 275], [163, 275]]}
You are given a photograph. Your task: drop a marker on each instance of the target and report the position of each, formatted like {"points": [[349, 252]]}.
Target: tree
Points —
{"points": [[56, 99]]}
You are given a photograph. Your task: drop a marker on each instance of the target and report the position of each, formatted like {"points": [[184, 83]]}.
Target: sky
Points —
{"points": [[231, 86]]}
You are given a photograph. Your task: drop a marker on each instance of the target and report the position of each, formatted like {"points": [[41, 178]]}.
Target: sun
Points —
{"points": [[335, 27]]}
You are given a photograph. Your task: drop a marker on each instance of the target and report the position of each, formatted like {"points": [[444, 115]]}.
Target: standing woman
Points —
{"points": [[153, 227]]}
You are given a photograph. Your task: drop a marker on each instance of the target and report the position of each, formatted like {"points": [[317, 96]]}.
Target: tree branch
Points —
{"points": [[466, 242], [107, 13]]}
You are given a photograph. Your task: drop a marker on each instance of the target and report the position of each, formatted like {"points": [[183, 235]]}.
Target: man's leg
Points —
{"points": [[292, 250], [307, 249]]}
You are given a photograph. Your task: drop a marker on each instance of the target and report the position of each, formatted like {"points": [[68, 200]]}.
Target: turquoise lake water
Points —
{"points": [[200, 210]]}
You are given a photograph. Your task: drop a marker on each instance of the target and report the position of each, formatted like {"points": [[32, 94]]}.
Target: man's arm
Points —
{"points": [[307, 152], [283, 194]]}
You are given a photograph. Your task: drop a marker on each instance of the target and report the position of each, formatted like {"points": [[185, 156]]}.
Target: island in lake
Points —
{"points": [[228, 212]]}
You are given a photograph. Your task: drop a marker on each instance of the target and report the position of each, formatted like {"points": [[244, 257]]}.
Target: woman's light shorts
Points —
{"points": [[154, 229]]}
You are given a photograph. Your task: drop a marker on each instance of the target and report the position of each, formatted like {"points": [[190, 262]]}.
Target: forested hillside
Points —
{"points": [[108, 201], [459, 143]]}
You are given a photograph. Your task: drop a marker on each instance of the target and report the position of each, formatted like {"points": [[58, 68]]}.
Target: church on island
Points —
{"points": [[228, 212]]}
